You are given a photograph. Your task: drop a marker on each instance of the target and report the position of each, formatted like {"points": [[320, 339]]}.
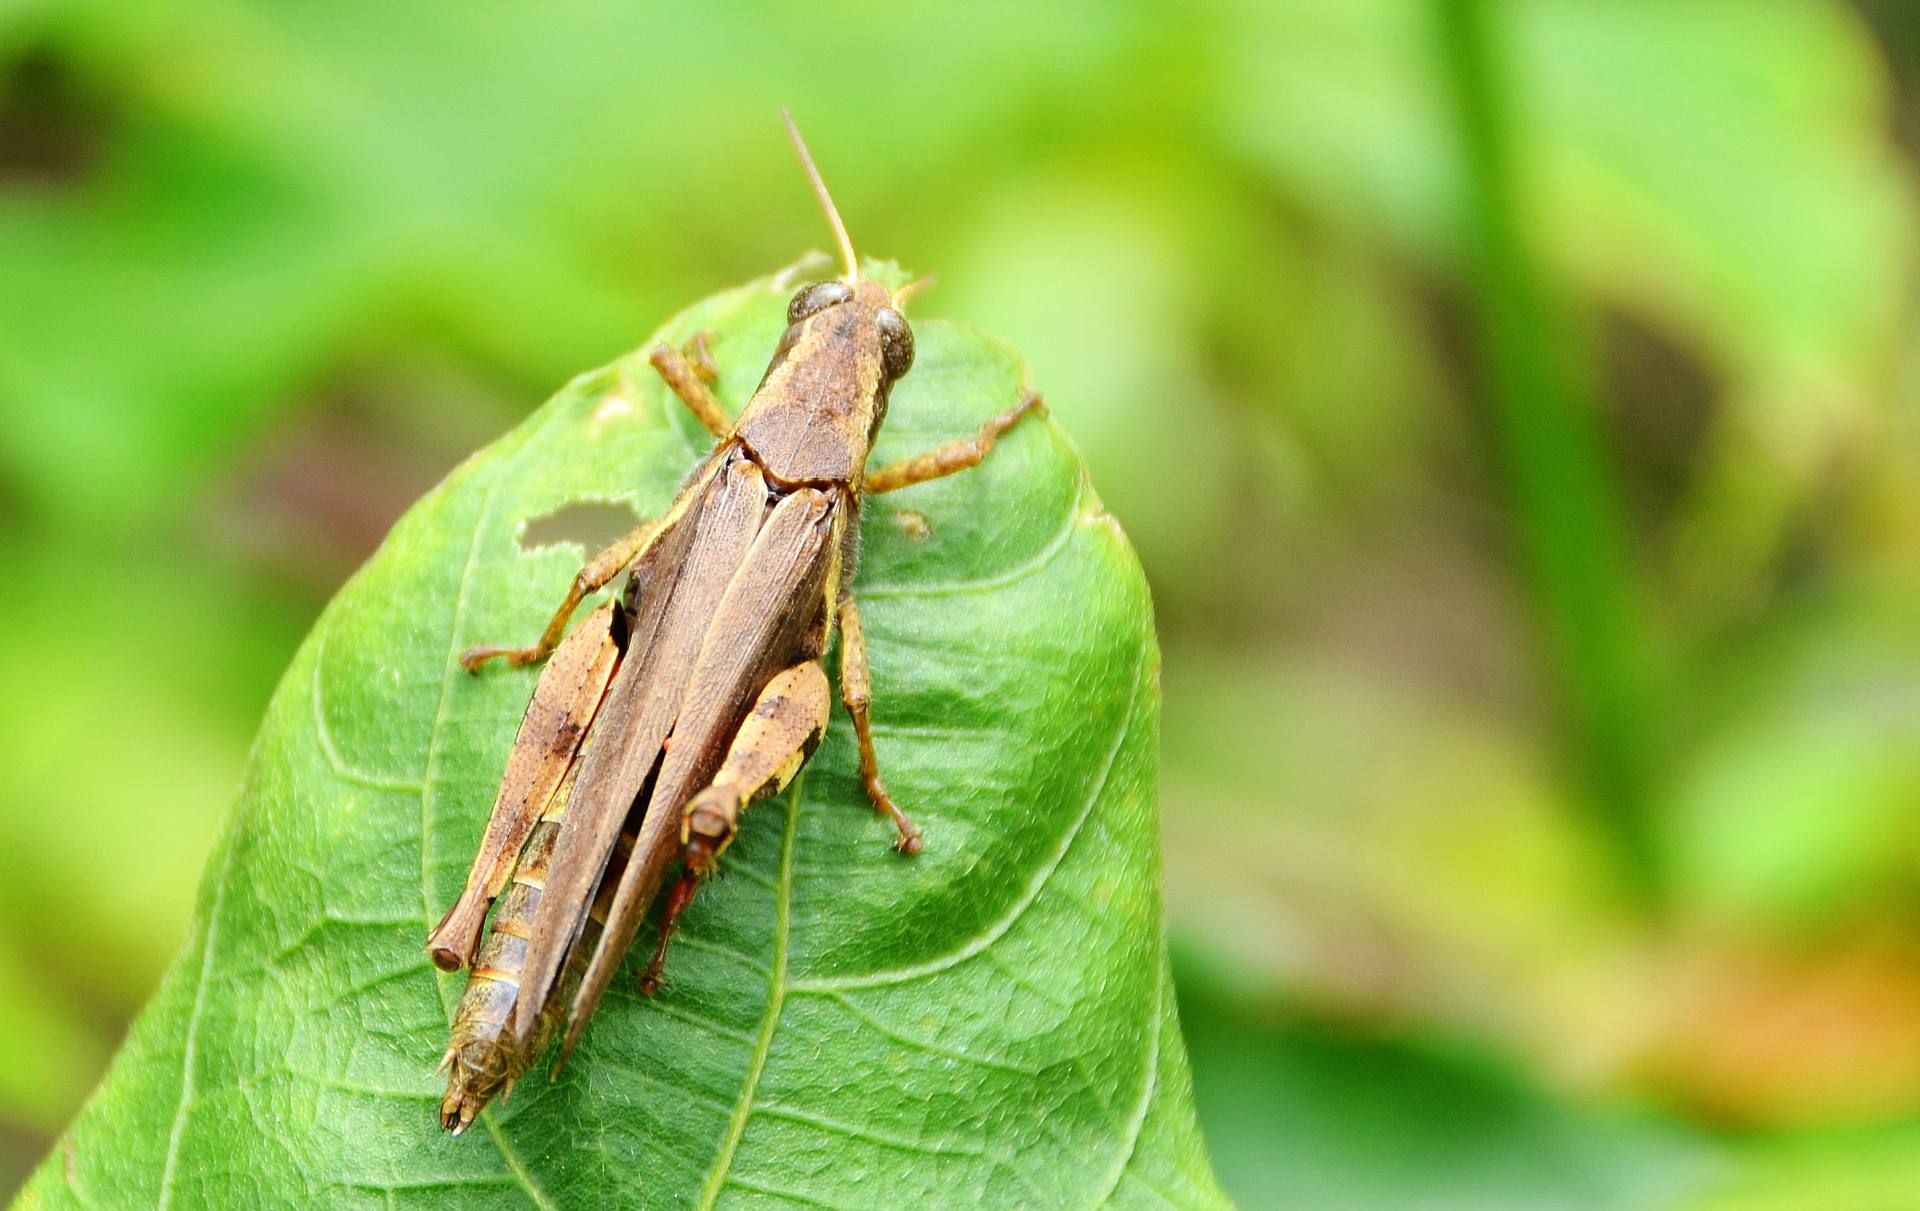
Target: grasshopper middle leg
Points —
{"points": [[776, 738], [955, 455], [599, 570], [688, 374], [856, 693]]}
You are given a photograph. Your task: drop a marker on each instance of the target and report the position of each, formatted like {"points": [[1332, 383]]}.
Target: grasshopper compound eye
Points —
{"points": [[814, 299], [896, 342]]}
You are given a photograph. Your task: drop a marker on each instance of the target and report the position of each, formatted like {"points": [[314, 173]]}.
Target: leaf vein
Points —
{"points": [[689, 941], [698, 1022], [323, 731], [998, 929], [986, 584], [515, 1166], [829, 1126], [874, 1023], [1147, 1089], [791, 1196], [189, 1049]]}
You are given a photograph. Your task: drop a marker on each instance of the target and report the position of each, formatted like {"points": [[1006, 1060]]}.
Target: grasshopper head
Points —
{"points": [[869, 313], [871, 317], [824, 394]]}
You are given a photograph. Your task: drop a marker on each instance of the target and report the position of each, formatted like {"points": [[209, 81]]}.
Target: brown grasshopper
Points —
{"points": [[664, 714]]}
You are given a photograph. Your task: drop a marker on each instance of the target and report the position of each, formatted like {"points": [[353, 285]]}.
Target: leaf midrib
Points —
{"points": [[776, 1002]]}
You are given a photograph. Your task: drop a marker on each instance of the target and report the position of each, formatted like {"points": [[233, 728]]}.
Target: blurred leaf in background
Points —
{"points": [[266, 273]]}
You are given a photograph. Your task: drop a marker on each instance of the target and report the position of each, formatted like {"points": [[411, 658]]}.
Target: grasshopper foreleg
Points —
{"points": [[772, 743], [954, 456], [856, 693], [689, 375]]}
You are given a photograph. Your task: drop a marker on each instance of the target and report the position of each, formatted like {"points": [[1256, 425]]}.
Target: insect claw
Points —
{"points": [[474, 657], [654, 978]]}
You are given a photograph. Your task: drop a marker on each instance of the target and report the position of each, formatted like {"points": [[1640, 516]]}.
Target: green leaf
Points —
{"points": [[1337, 1118], [990, 1023]]}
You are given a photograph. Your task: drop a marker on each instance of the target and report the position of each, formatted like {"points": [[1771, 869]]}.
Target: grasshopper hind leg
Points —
{"points": [[768, 749]]}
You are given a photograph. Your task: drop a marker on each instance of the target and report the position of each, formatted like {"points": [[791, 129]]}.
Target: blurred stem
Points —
{"points": [[1560, 481]]}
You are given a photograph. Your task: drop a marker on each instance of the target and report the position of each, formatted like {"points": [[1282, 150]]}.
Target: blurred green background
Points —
{"points": [[1514, 404]]}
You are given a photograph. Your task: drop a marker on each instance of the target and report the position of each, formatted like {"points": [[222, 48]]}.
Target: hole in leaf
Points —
{"points": [[592, 524]]}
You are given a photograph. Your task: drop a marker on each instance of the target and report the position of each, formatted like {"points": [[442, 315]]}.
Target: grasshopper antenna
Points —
{"points": [[826, 199], [914, 287]]}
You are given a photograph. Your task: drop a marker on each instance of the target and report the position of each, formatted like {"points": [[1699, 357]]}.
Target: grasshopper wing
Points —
{"points": [[679, 589], [773, 613]]}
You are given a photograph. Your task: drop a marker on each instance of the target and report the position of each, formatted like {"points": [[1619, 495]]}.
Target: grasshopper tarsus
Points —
{"points": [[910, 839], [856, 694], [654, 976], [475, 658]]}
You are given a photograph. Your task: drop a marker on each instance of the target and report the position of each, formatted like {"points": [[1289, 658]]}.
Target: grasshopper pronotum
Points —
{"points": [[662, 715]]}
